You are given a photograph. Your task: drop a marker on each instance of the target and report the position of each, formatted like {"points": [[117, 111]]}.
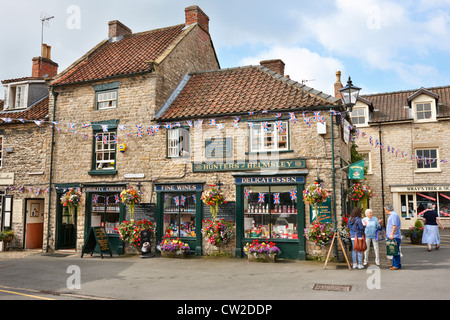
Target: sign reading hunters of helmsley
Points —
{"points": [[251, 165]]}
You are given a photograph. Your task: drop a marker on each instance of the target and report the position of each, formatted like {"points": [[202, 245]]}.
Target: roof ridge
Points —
{"points": [[404, 91]]}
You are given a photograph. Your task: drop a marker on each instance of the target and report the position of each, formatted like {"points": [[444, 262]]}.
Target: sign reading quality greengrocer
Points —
{"points": [[256, 165]]}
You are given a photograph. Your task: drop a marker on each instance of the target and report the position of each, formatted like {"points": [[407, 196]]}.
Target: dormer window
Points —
{"points": [[424, 105], [16, 96], [360, 114]]}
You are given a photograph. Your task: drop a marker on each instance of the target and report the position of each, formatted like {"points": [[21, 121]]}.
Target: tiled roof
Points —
{"points": [[239, 90], [132, 54], [20, 79], [37, 111], [394, 106]]}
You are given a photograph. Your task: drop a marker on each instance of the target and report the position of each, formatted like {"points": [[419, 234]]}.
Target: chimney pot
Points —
{"points": [[117, 29], [43, 66], [195, 15], [276, 65], [338, 85]]}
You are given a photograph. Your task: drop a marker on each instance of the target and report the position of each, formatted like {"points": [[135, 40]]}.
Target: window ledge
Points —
{"points": [[269, 152], [102, 172], [434, 170]]}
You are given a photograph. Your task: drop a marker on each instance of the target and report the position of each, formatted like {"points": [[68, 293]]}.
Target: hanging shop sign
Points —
{"points": [[356, 170], [255, 165]]}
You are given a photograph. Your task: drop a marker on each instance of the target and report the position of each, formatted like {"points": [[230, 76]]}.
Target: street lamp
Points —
{"points": [[349, 94]]}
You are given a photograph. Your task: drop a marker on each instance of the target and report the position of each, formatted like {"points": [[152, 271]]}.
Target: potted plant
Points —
{"points": [[130, 231], [71, 199], [319, 233], [315, 194], [130, 197], [415, 233], [213, 197], [266, 252], [6, 235], [217, 232], [173, 248]]}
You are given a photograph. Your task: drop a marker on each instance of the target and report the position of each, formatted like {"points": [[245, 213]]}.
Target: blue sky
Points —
{"points": [[383, 45]]}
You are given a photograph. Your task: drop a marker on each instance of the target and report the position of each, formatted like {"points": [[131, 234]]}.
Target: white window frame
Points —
{"points": [[14, 93], [106, 99], [259, 137], [421, 100], [102, 149], [434, 166], [367, 160], [178, 143]]}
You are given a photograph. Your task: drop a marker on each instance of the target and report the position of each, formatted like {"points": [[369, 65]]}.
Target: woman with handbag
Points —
{"points": [[372, 224], [356, 228]]}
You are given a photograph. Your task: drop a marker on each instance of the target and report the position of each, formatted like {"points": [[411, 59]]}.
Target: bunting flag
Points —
{"points": [[85, 125], [279, 125], [107, 200], [276, 198], [251, 113], [183, 200], [247, 193], [21, 120], [264, 112], [219, 126], [116, 139], [38, 122], [105, 139], [199, 122], [139, 132], [306, 119], [194, 198], [261, 197], [293, 194], [178, 124], [292, 117], [7, 120], [116, 198], [121, 127], [278, 115], [105, 127], [265, 126], [72, 127], [189, 123], [251, 124], [212, 121], [95, 198], [177, 201]]}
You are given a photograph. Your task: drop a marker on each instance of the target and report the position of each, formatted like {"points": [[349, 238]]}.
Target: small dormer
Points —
{"points": [[361, 112], [423, 104], [23, 92]]}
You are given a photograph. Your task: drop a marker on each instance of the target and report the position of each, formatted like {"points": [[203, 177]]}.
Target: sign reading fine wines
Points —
{"points": [[255, 165]]}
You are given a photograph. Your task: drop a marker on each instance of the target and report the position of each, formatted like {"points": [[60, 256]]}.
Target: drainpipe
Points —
{"points": [[55, 97], [382, 174]]}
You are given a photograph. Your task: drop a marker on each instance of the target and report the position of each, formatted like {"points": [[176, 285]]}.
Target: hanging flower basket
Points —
{"points": [[359, 193], [213, 197], [71, 199], [315, 194], [130, 197]]}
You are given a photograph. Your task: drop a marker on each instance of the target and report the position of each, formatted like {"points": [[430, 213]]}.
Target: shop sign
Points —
{"points": [[256, 165], [270, 180], [419, 188], [324, 214], [104, 189], [179, 187]]}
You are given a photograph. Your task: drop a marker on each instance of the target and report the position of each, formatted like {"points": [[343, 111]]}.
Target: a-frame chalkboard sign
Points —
{"points": [[97, 235]]}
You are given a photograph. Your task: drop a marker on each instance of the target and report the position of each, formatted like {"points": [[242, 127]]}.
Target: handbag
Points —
{"points": [[360, 244], [392, 248], [380, 234]]}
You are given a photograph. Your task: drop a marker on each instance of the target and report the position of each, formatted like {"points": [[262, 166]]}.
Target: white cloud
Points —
{"points": [[302, 64]]}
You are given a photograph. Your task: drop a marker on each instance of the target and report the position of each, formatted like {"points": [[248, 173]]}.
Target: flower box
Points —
{"points": [[416, 240], [262, 257], [176, 255]]}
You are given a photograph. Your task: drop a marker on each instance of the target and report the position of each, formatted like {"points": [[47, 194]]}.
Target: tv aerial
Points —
{"points": [[45, 18]]}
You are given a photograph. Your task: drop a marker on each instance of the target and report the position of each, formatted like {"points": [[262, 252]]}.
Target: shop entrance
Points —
{"points": [[34, 224], [66, 227]]}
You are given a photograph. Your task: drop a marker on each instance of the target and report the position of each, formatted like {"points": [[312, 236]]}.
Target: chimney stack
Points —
{"points": [[338, 85], [117, 30], [276, 65], [195, 15], [43, 66]]}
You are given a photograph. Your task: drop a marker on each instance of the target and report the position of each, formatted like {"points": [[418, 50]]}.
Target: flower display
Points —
{"points": [[130, 197], [174, 246], [319, 233], [130, 231], [213, 197], [217, 231], [256, 248], [360, 191], [315, 194], [71, 199]]}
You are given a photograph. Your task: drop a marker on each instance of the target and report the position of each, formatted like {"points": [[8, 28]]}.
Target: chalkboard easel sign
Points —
{"points": [[97, 235]]}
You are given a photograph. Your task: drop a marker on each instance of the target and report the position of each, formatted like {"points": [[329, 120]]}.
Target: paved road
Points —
{"points": [[33, 275]]}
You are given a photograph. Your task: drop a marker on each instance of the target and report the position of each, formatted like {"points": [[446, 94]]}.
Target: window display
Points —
{"points": [[270, 212], [179, 214], [105, 212]]}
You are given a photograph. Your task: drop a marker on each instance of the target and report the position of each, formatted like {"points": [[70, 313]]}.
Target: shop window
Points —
{"points": [[269, 212], [178, 143], [105, 212], [269, 136], [422, 200], [427, 158], [179, 214], [444, 204]]}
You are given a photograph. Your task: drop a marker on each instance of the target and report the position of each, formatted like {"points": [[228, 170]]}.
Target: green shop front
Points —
{"points": [[270, 208], [179, 213], [104, 209]]}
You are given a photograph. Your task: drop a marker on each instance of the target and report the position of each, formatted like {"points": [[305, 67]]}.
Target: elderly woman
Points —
{"points": [[431, 231], [372, 224]]}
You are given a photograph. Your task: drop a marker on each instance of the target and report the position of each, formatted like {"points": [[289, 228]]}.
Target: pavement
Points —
{"points": [[424, 276]]}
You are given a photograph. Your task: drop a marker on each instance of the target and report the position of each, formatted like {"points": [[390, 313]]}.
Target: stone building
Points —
{"points": [[24, 150], [262, 138], [109, 97], [403, 136]]}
